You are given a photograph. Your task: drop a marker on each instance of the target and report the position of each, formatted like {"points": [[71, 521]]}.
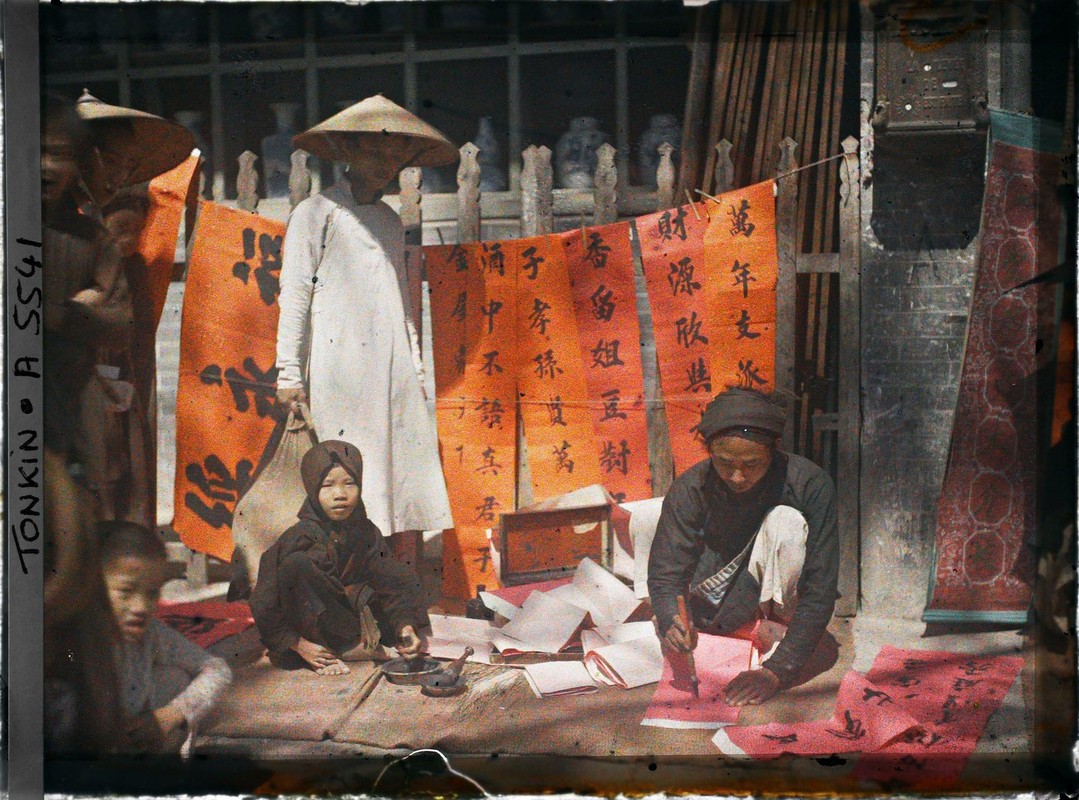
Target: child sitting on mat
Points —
{"points": [[328, 590], [168, 682]]}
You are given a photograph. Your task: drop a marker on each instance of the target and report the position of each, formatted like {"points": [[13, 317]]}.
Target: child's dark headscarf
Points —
{"points": [[317, 463]]}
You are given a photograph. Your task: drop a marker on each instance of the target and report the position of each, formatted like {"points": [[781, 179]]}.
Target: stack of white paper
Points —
{"points": [[559, 678], [607, 600], [544, 624], [451, 635], [626, 656]]}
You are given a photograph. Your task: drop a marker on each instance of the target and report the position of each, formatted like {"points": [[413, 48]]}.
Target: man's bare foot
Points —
{"points": [[333, 668]]}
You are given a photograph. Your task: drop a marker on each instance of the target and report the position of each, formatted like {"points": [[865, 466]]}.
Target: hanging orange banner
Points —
{"points": [[473, 310], [744, 233], [228, 377], [168, 195], [551, 382], [600, 265], [711, 272]]}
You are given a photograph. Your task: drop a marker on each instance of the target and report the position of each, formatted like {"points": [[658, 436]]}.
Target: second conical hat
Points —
{"points": [[350, 135], [155, 145]]}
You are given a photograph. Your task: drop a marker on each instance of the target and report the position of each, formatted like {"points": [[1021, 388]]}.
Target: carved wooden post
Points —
{"points": [[537, 200], [410, 180], [468, 195], [247, 182], [786, 285], [724, 167], [606, 183], [850, 375], [665, 177], [299, 179]]}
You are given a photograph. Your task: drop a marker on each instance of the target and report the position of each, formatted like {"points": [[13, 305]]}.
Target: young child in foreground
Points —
{"points": [[168, 683], [328, 590]]}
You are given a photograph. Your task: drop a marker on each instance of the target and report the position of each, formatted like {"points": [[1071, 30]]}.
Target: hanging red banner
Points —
{"points": [[473, 310], [227, 378], [600, 265], [551, 378]]}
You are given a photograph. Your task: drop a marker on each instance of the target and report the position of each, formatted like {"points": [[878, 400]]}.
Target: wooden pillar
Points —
{"points": [[537, 200], [468, 195], [724, 180], [410, 180], [665, 178], [850, 376], [786, 285], [299, 179], [606, 187], [247, 182]]}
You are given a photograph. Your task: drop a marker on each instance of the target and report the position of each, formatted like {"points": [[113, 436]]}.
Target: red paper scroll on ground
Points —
{"points": [[600, 264], [986, 516], [168, 195], [562, 455], [718, 660], [711, 284], [473, 311], [228, 377]]}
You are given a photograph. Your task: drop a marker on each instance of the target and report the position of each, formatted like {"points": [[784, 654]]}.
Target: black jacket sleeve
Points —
{"points": [[276, 634], [819, 580], [398, 593], [676, 549]]}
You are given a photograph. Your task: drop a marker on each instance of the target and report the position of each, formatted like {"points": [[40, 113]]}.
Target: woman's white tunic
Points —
{"points": [[343, 329]]}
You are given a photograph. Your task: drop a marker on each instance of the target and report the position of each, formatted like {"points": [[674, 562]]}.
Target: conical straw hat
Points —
{"points": [[155, 145], [350, 135]]}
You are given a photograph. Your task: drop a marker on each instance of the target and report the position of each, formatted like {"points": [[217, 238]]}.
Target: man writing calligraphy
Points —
{"points": [[749, 537], [344, 339]]}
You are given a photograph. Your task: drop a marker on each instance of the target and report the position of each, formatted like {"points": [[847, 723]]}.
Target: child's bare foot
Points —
{"points": [[335, 667]]}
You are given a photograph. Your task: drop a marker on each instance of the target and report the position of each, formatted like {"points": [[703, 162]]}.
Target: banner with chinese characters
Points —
{"points": [[710, 269], [168, 195], [227, 379], [551, 378], [473, 311], [600, 265]]}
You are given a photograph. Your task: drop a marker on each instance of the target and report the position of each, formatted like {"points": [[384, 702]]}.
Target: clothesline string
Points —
{"points": [[786, 174]]}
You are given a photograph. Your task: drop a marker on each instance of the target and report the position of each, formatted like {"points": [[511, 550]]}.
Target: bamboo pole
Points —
{"points": [[765, 113], [809, 189], [833, 138], [747, 117], [721, 84]]}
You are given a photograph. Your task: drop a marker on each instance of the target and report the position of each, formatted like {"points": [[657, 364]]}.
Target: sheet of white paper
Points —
{"points": [[642, 529], [627, 631], [627, 664], [451, 635], [498, 605], [606, 598], [559, 678], [543, 624], [592, 640]]}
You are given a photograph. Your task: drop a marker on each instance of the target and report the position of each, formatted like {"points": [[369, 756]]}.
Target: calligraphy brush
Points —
{"points": [[692, 635]]}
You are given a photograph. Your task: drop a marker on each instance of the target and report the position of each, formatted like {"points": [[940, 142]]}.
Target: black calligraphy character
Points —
{"points": [[538, 319], [962, 684], [929, 739], [869, 694], [971, 667], [533, 264], [670, 227], [906, 681], [494, 260], [852, 729], [554, 408], [459, 359], [742, 276], [491, 411], [489, 465], [619, 497], [459, 256], [605, 354], [700, 379], [612, 458], [460, 453], [911, 664], [487, 509], [596, 251], [458, 312], [790, 738], [547, 365], [612, 398], [749, 375], [565, 463], [680, 278], [261, 384], [219, 486], [267, 274], [743, 327], [490, 363], [602, 306], [740, 223], [483, 556], [489, 311], [689, 330], [949, 712]]}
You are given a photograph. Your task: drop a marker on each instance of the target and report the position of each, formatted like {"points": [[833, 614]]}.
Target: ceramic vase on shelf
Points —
{"points": [[575, 153], [277, 150], [192, 120], [661, 128], [492, 174]]}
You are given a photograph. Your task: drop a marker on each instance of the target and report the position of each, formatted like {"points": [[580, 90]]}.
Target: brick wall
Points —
{"points": [[914, 315]]}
